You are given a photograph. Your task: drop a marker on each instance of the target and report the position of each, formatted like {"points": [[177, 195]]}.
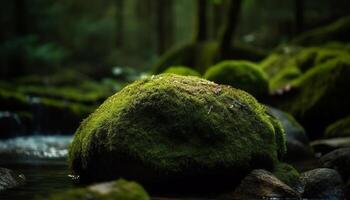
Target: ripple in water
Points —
{"points": [[35, 148]]}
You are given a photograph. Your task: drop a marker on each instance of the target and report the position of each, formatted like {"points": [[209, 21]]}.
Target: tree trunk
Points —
{"points": [[119, 22], [165, 25], [229, 26], [201, 32], [299, 16]]}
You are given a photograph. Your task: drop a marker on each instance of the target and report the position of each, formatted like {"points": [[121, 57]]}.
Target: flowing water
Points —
{"points": [[42, 160]]}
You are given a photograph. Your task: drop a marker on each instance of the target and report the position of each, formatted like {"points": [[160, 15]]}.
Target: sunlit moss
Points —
{"points": [[120, 190], [182, 70], [340, 128], [169, 126], [243, 75]]}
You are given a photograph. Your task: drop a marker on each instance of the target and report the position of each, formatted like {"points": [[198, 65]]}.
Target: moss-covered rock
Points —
{"points": [[340, 128], [181, 131], [336, 31], [287, 174], [320, 96], [116, 190], [288, 64], [182, 70], [243, 75]]}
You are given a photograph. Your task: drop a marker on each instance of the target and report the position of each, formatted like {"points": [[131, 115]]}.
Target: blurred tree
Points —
{"points": [[165, 25], [299, 15], [119, 4], [201, 31]]}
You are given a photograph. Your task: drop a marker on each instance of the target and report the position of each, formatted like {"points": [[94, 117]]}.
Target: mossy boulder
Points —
{"points": [[182, 70], [320, 96], [336, 31], [243, 75], [119, 190], [289, 63], [340, 128], [175, 132]]}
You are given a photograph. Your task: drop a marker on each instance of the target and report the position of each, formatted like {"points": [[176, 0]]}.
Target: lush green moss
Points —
{"points": [[337, 31], [243, 75], [176, 130], [288, 65], [340, 128], [287, 174], [117, 190], [182, 70], [320, 96]]}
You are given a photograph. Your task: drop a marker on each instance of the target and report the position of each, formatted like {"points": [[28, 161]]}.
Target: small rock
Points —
{"points": [[339, 160], [9, 179], [327, 145], [322, 183], [261, 183]]}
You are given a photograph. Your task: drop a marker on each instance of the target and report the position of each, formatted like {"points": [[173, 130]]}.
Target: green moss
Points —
{"points": [[171, 128], [287, 174], [120, 190], [337, 31], [285, 67], [340, 128], [182, 70], [243, 75], [320, 96]]}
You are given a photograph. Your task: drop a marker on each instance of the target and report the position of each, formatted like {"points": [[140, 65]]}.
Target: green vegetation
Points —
{"points": [[243, 75], [120, 190], [182, 70], [319, 96], [289, 64], [287, 174], [340, 128], [169, 126]]}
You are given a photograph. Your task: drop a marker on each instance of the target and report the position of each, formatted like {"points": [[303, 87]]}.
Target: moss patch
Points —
{"points": [[120, 190], [340, 128], [320, 96], [182, 70], [176, 130], [243, 75], [287, 174]]}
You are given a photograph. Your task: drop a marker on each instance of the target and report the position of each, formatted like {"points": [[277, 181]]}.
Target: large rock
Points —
{"points": [[243, 75], [318, 98], [322, 183], [119, 190], [172, 130], [298, 147], [339, 160], [9, 179], [260, 184]]}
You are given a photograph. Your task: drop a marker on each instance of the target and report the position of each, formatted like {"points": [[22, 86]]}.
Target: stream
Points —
{"points": [[42, 160]]}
